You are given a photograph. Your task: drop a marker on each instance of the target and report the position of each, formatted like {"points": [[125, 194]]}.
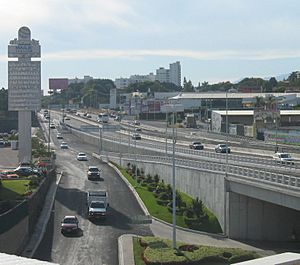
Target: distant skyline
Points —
{"points": [[214, 40]]}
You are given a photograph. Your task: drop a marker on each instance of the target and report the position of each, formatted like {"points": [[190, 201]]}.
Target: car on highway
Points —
{"points": [[93, 172], [59, 136], [69, 224], [136, 136], [82, 157], [117, 118], [283, 158], [52, 126], [138, 129], [196, 145], [136, 122], [222, 148], [64, 145], [67, 118]]}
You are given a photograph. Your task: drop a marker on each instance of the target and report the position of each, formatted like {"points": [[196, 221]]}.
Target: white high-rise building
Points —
{"points": [[163, 75], [175, 73], [172, 75]]}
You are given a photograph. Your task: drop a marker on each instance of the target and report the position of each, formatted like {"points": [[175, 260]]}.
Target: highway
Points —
{"points": [[240, 156], [97, 240]]}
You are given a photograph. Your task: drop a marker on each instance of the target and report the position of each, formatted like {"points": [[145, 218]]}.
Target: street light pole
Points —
{"points": [[174, 184], [120, 140], [49, 132], [166, 133], [100, 139], [226, 133]]}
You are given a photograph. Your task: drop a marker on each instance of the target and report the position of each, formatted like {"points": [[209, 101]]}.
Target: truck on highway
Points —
{"points": [[190, 121], [103, 118], [97, 202]]}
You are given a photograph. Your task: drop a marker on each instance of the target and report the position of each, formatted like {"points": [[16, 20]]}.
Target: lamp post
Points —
{"points": [[226, 133], [173, 182], [166, 133], [100, 139], [120, 155], [49, 131]]}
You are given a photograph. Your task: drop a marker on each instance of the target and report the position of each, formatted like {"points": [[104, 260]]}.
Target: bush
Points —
{"points": [[151, 187], [164, 196], [156, 178], [162, 202], [149, 178], [34, 182]]}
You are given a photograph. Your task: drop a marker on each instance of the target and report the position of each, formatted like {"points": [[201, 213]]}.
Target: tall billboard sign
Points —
{"points": [[24, 75]]}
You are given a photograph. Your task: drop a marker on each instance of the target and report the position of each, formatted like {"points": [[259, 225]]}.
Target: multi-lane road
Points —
{"points": [[97, 241]]}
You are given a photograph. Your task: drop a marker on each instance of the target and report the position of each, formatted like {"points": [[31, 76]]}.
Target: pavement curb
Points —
{"points": [[141, 203], [126, 259]]}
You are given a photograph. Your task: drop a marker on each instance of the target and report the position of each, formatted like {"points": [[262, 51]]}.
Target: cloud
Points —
{"points": [[67, 14], [192, 54]]}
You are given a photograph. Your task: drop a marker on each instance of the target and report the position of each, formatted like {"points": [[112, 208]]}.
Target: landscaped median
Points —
{"points": [[157, 197], [155, 251]]}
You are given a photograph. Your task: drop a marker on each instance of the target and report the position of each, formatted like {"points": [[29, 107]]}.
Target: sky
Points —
{"points": [[214, 40]]}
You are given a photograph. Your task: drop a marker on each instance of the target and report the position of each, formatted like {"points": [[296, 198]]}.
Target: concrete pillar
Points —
{"points": [[24, 129]]}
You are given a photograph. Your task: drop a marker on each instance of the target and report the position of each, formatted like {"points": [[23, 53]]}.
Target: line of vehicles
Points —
{"points": [[96, 202]]}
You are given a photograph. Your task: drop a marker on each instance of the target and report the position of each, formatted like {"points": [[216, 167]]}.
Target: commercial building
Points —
{"points": [[122, 83]]}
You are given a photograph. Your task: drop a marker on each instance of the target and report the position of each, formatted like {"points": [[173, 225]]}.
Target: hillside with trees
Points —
{"points": [[97, 91]]}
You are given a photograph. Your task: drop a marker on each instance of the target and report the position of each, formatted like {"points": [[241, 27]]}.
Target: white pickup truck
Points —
{"points": [[284, 158], [97, 202]]}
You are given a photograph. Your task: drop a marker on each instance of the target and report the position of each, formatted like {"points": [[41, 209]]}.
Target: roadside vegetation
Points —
{"points": [[155, 251], [157, 197]]}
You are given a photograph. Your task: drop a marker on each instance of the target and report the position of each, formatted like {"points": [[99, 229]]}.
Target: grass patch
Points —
{"points": [[137, 252], [160, 251], [14, 189], [211, 224]]}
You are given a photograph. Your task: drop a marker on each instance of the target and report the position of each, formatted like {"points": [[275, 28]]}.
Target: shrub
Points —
{"points": [[156, 178], [162, 202], [138, 172], [34, 182], [151, 187], [164, 196], [148, 178]]}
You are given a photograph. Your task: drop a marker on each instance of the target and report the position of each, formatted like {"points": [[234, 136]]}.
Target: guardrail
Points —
{"points": [[252, 162], [236, 171], [217, 157]]}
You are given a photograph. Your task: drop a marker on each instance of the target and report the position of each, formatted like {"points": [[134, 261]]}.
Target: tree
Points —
{"points": [[187, 86]]}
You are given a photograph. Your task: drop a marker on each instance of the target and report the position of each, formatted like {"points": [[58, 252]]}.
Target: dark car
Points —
{"points": [[222, 148], [93, 173], [197, 146], [69, 224]]}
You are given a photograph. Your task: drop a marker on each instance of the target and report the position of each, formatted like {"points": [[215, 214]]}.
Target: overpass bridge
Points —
{"points": [[251, 204]]}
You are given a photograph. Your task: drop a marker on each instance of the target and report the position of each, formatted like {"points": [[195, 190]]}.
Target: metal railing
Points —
{"points": [[262, 176]]}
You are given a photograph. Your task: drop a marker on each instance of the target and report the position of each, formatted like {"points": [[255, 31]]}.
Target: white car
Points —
{"points": [[59, 136], [82, 157], [64, 145], [284, 158]]}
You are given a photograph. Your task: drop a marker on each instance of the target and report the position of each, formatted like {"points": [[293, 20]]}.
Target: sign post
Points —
{"points": [[24, 86]]}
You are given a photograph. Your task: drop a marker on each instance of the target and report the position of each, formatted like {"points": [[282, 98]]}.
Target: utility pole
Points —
{"points": [[174, 184], [49, 132]]}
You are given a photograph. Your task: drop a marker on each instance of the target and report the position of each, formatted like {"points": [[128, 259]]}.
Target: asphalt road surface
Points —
{"points": [[97, 241]]}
